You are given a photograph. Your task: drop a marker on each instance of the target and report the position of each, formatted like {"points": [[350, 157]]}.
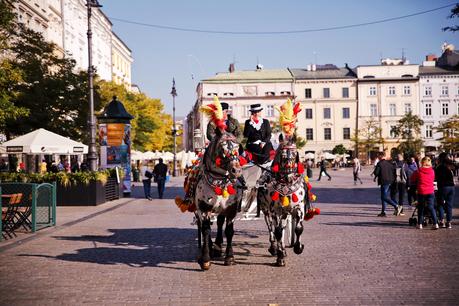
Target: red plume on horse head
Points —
{"points": [[214, 112]]}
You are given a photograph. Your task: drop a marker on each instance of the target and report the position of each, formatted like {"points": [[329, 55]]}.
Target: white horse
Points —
{"points": [[216, 195]]}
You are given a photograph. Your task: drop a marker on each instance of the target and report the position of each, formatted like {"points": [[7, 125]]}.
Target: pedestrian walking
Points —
{"points": [[445, 182], [409, 168], [385, 174], [424, 179], [356, 169], [323, 169], [399, 186], [146, 180], [159, 173]]}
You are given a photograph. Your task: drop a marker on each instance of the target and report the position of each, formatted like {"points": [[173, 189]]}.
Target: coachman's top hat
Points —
{"points": [[255, 108], [224, 105]]}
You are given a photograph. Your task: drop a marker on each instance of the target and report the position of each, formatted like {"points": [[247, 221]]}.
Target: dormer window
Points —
{"points": [[369, 77], [286, 93], [228, 94], [270, 93], [407, 76], [212, 94]]}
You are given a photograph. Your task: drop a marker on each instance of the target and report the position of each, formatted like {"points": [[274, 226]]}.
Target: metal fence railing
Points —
{"points": [[27, 206]]}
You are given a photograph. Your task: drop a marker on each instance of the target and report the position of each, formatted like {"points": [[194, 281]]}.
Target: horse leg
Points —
{"points": [[204, 261], [229, 233], [298, 247], [217, 247], [278, 232], [272, 239]]}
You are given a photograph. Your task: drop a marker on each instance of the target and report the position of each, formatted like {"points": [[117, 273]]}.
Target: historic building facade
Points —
{"points": [[121, 62], [386, 93], [328, 96]]}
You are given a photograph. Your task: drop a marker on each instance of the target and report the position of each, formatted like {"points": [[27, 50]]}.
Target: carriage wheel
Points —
{"points": [[289, 232]]}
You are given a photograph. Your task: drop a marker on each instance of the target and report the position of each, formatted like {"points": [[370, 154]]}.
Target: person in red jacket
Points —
{"points": [[424, 179]]}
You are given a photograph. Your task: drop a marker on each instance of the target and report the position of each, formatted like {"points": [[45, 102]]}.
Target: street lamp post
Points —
{"points": [[92, 155], [174, 130]]}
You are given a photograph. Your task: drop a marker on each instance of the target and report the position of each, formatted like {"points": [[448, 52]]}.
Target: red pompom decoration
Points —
{"points": [[275, 196], [231, 189], [275, 168], [294, 197], [300, 168], [218, 191], [272, 154], [242, 160], [309, 186], [218, 161], [317, 211]]}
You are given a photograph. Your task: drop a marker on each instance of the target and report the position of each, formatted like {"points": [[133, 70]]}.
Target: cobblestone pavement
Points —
{"points": [[144, 252]]}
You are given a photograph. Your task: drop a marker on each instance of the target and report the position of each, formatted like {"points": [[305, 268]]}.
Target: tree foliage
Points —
{"points": [[450, 134], [151, 127], [339, 149], [368, 137], [454, 14], [409, 130]]}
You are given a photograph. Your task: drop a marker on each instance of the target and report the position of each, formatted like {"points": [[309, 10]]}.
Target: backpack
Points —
{"points": [[399, 175]]}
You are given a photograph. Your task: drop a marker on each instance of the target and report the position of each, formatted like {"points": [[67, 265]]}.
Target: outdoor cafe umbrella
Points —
{"points": [[328, 155], [310, 155], [42, 141]]}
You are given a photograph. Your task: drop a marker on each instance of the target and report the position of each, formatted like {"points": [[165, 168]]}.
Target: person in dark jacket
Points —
{"points": [[160, 173], [445, 183], [385, 174], [409, 168], [232, 125], [323, 169], [399, 185], [258, 133]]}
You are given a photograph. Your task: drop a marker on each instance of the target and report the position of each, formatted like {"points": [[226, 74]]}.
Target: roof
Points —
{"points": [[121, 41], [425, 70], [269, 75], [335, 73], [115, 110], [449, 58]]}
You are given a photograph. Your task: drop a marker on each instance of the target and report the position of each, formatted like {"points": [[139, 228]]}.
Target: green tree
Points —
{"points": [[409, 130], [450, 134], [300, 142], [454, 14], [339, 149], [367, 138]]}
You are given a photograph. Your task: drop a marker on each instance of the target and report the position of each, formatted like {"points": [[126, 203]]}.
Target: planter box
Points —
{"points": [[81, 195]]}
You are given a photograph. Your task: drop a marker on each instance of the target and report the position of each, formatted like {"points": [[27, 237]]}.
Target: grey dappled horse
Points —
{"points": [[283, 193], [216, 195]]}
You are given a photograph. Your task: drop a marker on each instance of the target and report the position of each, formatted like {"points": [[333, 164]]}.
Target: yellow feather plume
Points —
{"points": [[213, 111], [288, 116]]}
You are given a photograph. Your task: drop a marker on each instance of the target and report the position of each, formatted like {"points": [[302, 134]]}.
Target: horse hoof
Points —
{"points": [[229, 261], [280, 262], [298, 248], [205, 265], [272, 250]]}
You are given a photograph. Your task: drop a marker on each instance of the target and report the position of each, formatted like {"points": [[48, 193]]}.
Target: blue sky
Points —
{"points": [[159, 55]]}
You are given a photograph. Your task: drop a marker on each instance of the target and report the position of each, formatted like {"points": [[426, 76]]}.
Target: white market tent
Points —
{"points": [[328, 155], [310, 155], [136, 155], [42, 141]]}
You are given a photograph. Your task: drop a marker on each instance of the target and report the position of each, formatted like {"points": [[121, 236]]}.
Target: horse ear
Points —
{"points": [[218, 132], [281, 138], [294, 138], [297, 157]]}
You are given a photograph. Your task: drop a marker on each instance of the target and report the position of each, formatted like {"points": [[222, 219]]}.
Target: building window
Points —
{"points": [[428, 91], [270, 93], [285, 93], [345, 92], [429, 131], [327, 113], [308, 93], [326, 92], [309, 134], [391, 91], [407, 108], [428, 109], [270, 111], [407, 90], [228, 94], [230, 109], [444, 90], [373, 110], [346, 133], [346, 113], [445, 109], [308, 112], [372, 91], [393, 109], [392, 131], [327, 133]]}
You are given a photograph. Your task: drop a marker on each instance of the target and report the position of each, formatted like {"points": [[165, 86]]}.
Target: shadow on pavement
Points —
{"points": [[391, 223], [170, 192]]}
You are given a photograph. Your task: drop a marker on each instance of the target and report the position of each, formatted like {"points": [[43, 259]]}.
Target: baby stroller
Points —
{"points": [[413, 220]]}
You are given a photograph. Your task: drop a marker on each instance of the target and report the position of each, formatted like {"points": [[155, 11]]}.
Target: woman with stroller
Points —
{"points": [[424, 178], [445, 183]]}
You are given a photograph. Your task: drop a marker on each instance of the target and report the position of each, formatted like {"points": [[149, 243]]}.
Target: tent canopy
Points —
{"points": [[42, 141]]}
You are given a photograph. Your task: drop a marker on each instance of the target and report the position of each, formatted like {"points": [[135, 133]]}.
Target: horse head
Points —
{"points": [[228, 154], [285, 165]]}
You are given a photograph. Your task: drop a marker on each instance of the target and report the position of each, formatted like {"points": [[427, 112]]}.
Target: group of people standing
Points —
{"points": [[429, 188]]}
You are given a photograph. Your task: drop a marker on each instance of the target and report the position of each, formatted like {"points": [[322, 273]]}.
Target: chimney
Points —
{"points": [[314, 67], [346, 66], [259, 67], [308, 67], [431, 57], [231, 68]]}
